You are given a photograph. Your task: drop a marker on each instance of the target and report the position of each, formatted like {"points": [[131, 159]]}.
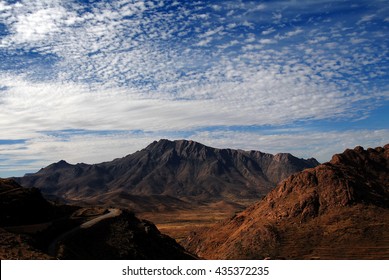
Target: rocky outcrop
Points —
{"points": [[124, 237], [337, 210]]}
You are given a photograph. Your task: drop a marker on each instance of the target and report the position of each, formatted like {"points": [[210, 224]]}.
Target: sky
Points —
{"points": [[90, 81]]}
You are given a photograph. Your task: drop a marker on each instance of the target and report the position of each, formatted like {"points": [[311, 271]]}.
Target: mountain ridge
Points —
{"points": [[181, 169]]}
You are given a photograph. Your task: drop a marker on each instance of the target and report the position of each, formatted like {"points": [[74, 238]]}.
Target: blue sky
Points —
{"points": [[90, 81]]}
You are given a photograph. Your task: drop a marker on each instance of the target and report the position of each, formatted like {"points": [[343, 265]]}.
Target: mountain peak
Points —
{"points": [[167, 142], [359, 157], [186, 148], [162, 143], [61, 164]]}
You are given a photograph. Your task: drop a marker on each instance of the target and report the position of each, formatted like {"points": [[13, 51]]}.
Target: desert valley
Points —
{"points": [[184, 200]]}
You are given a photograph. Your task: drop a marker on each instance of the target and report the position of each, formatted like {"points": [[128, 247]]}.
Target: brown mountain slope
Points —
{"points": [[338, 210], [170, 173]]}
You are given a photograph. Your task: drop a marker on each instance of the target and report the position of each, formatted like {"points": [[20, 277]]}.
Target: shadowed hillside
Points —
{"points": [[20, 205], [122, 237], [34, 228]]}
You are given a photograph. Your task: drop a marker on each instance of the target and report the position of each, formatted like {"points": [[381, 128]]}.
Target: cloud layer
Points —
{"points": [[181, 68]]}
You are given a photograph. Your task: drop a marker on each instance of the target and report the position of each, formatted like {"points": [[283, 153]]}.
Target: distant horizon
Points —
{"points": [[90, 81]]}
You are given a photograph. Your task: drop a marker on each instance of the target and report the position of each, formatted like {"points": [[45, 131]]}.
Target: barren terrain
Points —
{"points": [[178, 224]]}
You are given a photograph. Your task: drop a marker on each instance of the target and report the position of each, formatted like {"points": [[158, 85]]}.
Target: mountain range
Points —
{"points": [[337, 210], [168, 175]]}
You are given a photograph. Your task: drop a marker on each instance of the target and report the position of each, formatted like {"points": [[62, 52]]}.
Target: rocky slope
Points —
{"points": [[338, 210], [124, 237], [20, 205], [168, 173], [29, 224]]}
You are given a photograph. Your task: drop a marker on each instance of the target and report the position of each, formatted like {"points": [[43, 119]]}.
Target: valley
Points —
{"points": [[180, 223]]}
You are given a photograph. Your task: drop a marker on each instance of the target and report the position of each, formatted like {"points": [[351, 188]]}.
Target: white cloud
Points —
{"points": [[294, 32], [234, 96], [248, 24], [268, 31], [232, 25], [204, 42], [38, 21], [4, 6], [250, 38], [277, 17], [366, 18], [216, 7], [331, 45], [357, 40], [267, 41], [229, 44], [259, 7], [212, 32], [289, 34]]}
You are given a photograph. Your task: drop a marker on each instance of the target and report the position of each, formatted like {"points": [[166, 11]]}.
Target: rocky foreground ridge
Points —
{"points": [[337, 210], [33, 228]]}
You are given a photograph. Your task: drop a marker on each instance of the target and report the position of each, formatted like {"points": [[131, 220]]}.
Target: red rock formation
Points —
{"points": [[337, 210]]}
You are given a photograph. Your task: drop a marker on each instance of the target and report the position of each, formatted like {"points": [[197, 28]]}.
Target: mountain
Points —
{"points": [[337, 210], [34, 228], [168, 174]]}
